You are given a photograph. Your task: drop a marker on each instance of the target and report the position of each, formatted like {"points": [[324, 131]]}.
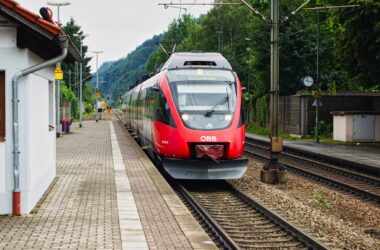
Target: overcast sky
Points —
{"points": [[117, 26]]}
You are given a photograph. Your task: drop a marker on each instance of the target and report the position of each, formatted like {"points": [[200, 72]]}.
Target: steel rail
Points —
{"points": [[207, 222], [217, 231], [298, 234], [368, 182], [211, 225]]}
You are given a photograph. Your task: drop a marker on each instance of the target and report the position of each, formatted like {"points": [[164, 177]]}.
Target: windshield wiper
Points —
{"points": [[213, 109]]}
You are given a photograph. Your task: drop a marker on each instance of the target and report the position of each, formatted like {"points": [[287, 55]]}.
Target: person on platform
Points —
{"points": [[99, 110]]}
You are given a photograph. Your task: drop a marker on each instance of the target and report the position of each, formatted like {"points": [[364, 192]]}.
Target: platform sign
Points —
{"points": [[317, 102], [58, 73]]}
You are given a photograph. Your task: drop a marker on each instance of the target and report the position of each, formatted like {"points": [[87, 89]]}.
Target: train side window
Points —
{"points": [[149, 103], [242, 120], [139, 105], [162, 110]]}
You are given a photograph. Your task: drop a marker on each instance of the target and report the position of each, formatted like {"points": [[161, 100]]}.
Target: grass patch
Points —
{"points": [[321, 200]]}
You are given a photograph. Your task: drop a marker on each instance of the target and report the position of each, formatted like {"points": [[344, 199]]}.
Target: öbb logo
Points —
{"points": [[208, 138]]}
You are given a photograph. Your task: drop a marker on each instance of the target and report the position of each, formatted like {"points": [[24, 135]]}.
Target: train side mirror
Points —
{"points": [[244, 89]]}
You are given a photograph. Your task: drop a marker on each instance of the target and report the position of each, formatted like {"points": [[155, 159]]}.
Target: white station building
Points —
{"points": [[27, 40]]}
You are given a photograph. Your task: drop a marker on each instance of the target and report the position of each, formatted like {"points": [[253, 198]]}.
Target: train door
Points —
{"points": [[142, 114], [135, 109], [149, 105], [125, 110], [140, 107]]}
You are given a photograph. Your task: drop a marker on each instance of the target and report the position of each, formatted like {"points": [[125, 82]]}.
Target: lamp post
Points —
{"points": [[81, 81], [58, 4], [175, 7], [220, 40], [97, 53], [317, 95]]}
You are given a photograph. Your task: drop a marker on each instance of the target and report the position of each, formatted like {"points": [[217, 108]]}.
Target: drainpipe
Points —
{"points": [[16, 199]]}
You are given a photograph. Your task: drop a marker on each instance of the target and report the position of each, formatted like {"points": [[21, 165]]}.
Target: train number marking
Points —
{"points": [[208, 138]]}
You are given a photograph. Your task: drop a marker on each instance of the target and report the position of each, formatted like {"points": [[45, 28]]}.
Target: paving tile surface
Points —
{"points": [[107, 195], [161, 228], [132, 232], [80, 211]]}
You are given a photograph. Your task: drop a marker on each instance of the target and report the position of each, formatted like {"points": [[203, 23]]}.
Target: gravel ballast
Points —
{"points": [[339, 220]]}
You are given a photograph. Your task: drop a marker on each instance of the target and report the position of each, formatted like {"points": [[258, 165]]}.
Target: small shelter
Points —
{"points": [[29, 48]]}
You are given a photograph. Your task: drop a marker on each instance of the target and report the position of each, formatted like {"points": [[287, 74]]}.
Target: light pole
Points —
{"points": [[97, 53], [58, 4], [166, 6], [81, 81], [317, 95], [220, 40]]}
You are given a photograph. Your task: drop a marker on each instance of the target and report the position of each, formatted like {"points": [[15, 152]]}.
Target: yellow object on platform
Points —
{"points": [[58, 73]]}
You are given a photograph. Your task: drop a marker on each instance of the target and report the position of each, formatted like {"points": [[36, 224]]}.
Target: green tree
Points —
{"points": [[358, 39], [70, 87]]}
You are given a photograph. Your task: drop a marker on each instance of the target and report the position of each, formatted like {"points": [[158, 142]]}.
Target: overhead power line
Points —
{"points": [[333, 7]]}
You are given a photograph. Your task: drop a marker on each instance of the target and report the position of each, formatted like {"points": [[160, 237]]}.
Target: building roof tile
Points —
{"points": [[15, 7]]}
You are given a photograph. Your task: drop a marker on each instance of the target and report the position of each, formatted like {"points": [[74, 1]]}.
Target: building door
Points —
{"points": [[2, 106], [363, 127]]}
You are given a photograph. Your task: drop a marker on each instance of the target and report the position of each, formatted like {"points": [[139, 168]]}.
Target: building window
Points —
{"points": [[2, 106], [51, 106]]}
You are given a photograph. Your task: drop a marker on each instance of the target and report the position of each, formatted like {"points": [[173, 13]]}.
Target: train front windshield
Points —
{"points": [[205, 99]]}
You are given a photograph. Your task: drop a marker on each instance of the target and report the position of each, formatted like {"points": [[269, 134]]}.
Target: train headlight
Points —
{"points": [[185, 117], [228, 117]]}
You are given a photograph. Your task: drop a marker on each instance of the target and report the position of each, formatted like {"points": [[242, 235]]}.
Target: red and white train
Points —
{"points": [[190, 117]]}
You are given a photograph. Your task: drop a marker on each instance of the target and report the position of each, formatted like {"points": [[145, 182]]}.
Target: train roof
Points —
{"points": [[196, 60]]}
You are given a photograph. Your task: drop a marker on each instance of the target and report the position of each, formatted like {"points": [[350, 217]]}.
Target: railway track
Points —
{"points": [[236, 221], [356, 179]]}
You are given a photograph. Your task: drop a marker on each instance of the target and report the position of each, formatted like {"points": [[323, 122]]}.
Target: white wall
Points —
{"points": [[11, 60], [37, 143], [40, 142], [340, 127]]}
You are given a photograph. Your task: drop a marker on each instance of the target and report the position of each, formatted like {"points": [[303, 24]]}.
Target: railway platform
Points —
{"points": [[107, 195], [362, 154]]}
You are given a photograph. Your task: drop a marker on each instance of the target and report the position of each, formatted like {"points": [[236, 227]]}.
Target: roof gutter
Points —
{"points": [[16, 199]]}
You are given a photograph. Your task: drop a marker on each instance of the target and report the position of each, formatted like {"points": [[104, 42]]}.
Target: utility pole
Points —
{"points": [[273, 173], [58, 82]]}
